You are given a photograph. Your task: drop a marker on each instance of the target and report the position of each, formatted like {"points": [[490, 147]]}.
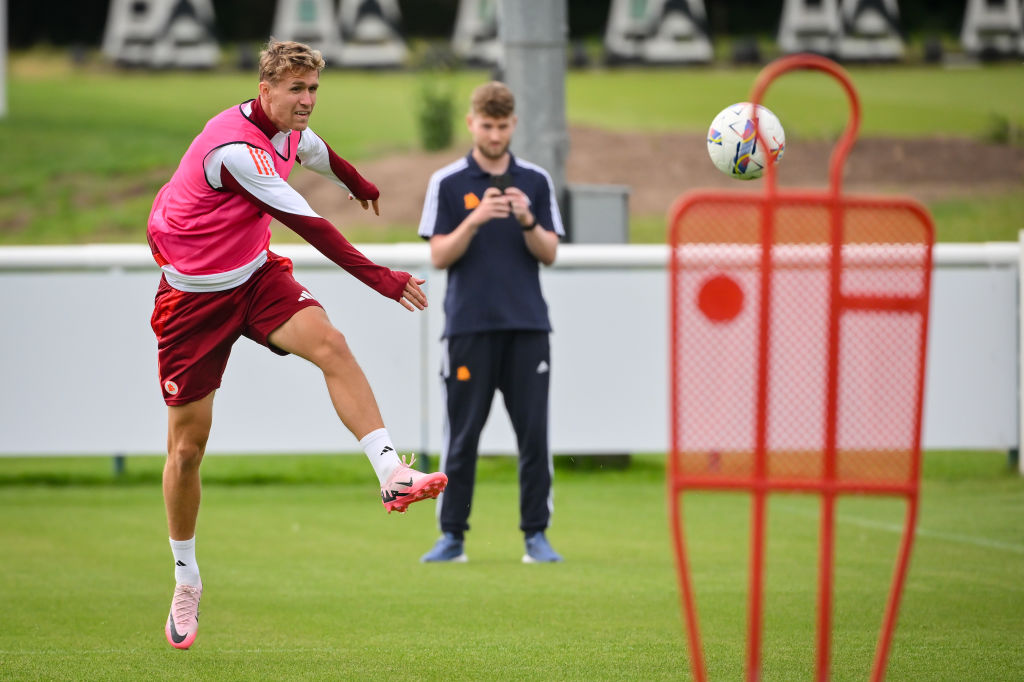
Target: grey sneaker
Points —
{"points": [[447, 548], [538, 550]]}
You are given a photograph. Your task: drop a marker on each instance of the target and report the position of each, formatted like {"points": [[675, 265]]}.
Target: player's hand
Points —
{"points": [[520, 205], [366, 204], [413, 297], [493, 205]]}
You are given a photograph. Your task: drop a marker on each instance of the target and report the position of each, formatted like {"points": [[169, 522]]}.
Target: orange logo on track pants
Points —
{"points": [[471, 200], [462, 373]]}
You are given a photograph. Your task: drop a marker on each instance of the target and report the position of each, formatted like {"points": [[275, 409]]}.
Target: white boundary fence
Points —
{"points": [[78, 359]]}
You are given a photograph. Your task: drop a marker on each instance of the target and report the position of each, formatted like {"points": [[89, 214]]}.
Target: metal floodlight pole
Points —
{"points": [[533, 37]]}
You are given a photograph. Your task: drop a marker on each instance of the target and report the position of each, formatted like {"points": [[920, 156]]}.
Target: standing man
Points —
{"points": [[491, 219], [209, 232]]}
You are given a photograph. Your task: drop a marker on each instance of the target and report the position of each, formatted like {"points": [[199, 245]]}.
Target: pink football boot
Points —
{"points": [[183, 620], [406, 485]]}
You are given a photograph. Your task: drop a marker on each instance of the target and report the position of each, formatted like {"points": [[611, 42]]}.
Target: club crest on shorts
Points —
{"points": [[171, 388]]}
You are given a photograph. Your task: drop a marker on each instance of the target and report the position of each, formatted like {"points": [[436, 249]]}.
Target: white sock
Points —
{"points": [[381, 453], [186, 570]]}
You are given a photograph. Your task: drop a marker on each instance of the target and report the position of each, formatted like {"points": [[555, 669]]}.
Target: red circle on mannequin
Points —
{"points": [[720, 298]]}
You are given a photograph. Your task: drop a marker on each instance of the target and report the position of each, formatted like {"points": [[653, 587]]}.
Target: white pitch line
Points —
{"points": [[987, 543]]}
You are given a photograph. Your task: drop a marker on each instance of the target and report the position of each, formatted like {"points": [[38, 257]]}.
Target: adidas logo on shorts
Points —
{"points": [[305, 296]]}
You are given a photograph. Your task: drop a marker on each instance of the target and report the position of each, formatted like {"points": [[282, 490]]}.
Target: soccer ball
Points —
{"points": [[733, 146]]}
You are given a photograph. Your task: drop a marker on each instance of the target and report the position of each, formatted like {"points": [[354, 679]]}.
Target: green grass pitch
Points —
{"points": [[307, 578]]}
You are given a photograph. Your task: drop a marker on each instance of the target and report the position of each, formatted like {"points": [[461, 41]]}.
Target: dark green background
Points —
{"points": [[68, 22]]}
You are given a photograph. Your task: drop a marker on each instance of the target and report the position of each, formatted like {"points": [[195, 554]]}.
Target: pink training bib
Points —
{"points": [[201, 230]]}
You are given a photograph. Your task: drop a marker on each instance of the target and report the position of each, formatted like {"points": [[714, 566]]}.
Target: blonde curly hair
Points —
{"points": [[282, 57]]}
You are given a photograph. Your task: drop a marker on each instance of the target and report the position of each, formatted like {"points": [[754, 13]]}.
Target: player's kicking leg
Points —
{"points": [[310, 335]]}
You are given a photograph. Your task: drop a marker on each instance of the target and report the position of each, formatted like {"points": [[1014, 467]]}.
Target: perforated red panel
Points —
{"points": [[751, 379]]}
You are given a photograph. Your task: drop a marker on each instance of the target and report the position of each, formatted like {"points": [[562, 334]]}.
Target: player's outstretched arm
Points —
{"points": [[317, 155], [274, 196]]}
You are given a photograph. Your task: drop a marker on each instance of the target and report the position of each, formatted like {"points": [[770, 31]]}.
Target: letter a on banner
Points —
{"points": [[475, 38], [993, 28], [370, 34], [312, 22], [809, 26], [161, 34], [658, 32], [871, 31]]}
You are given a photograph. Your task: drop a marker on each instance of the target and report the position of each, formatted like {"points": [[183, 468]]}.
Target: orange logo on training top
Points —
{"points": [[472, 201], [462, 373], [264, 164]]}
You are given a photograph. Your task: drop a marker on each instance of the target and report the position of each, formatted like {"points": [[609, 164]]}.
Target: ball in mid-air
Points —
{"points": [[733, 145]]}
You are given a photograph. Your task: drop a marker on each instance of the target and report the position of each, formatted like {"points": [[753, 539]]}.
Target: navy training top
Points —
{"points": [[495, 285]]}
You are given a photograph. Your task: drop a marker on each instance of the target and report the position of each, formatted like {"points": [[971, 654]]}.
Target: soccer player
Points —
{"points": [[209, 232], [491, 220]]}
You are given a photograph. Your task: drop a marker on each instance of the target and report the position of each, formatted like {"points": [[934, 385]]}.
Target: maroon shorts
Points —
{"points": [[195, 331]]}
